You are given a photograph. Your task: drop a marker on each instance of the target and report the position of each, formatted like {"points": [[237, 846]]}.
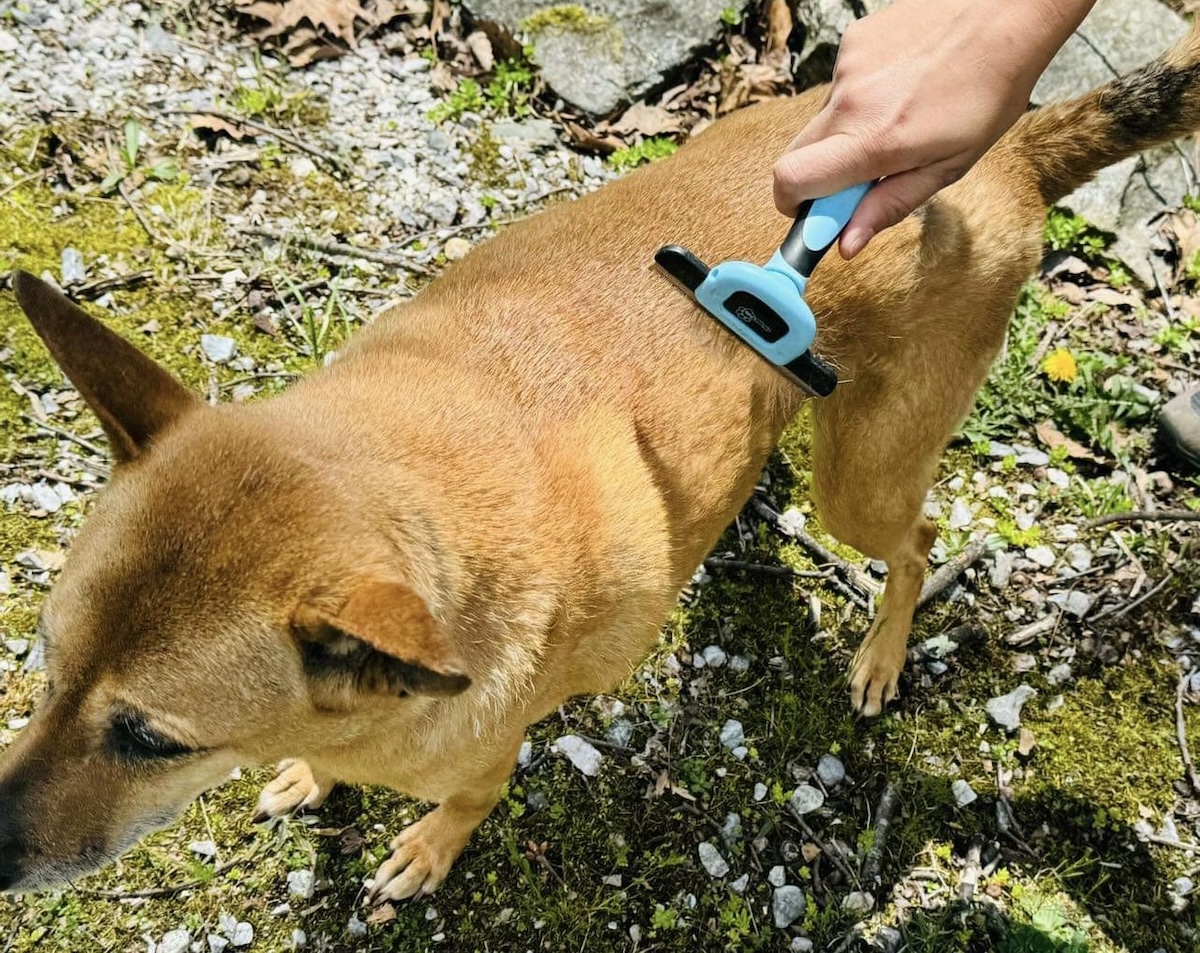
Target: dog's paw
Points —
{"points": [[422, 856], [295, 788], [875, 674]]}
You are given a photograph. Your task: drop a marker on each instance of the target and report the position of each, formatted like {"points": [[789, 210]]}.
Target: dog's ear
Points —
{"points": [[134, 398], [380, 639]]}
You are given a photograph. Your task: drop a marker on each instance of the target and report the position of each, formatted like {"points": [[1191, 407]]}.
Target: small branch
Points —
{"points": [[834, 857], [65, 434], [137, 213], [1030, 632], [1181, 734], [855, 578], [152, 892], [778, 572], [100, 286], [1145, 516], [339, 249], [873, 862], [945, 576], [1118, 613], [292, 141]]}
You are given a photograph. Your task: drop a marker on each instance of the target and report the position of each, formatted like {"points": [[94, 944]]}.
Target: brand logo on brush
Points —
{"points": [[757, 316]]}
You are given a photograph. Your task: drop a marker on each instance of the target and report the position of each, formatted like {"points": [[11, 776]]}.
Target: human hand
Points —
{"points": [[921, 90]]}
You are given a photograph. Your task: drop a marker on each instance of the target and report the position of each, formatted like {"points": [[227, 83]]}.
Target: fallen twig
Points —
{"points": [[151, 892], [1145, 516], [865, 588], [137, 213], [1030, 632], [1118, 612], [340, 249], [834, 856], [873, 862], [1181, 733], [779, 572], [944, 577], [65, 434], [971, 872], [100, 286], [292, 141]]}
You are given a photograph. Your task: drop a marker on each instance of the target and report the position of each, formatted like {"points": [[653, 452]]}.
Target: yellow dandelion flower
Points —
{"points": [[1060, 366]]}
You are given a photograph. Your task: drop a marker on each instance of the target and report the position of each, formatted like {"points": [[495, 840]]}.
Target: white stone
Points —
{"points": [[806, 799], [580, 753], [301, 883], [760, 791], [1041, 555], [1005, 710], [787, 905], [777, 876], [830, 770], [177, 941], [456, 249], [302, 167], [732, 734], [711, 860], [963, 793], [714, 656], [218, 348]]}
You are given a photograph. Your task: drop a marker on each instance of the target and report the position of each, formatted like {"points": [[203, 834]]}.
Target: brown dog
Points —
{"points": [[491, 501]]}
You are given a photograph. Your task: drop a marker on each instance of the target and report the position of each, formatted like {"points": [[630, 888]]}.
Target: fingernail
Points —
{"points": [[855, 240]]}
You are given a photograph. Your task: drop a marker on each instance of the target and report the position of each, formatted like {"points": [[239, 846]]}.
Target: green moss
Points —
{"points": [[566, 17]]}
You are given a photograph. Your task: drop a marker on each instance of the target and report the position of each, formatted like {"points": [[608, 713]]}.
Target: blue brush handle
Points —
{"points": [[818, 224]]}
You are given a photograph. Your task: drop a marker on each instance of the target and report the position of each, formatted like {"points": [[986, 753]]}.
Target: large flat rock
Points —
{"points": [[1120, 36], [601, 54]]}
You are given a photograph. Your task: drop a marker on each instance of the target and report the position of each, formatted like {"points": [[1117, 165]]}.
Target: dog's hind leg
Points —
{"points": [[296, 787], [876, 451]]}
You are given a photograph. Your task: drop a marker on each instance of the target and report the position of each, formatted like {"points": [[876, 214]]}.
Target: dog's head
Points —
{"points": [[227, 601]]}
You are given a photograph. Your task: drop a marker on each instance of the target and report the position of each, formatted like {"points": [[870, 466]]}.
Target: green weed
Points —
{"points": [[656, 147]]}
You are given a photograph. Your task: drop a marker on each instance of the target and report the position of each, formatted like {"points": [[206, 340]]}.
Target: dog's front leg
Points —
{"points": [[296, 787], [424, 852]]}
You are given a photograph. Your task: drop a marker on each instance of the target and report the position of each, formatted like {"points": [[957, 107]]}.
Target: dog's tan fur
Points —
{"points": [[504, 482]]}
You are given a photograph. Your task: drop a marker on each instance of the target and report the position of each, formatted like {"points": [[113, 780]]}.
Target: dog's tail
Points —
{"points": [[1070, 142]]}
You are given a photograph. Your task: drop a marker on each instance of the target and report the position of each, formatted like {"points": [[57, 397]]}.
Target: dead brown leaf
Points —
{"points": [[745, 83], [591, 141], [1113, 298], [320, 29], [642, 120], [1052, 438], [1027, 743], [384, 913], [779, 25], [219, 127], [481, 48]]}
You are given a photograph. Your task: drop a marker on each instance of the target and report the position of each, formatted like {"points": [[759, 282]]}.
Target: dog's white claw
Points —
{"points": [[418, 864], [295, 788]]}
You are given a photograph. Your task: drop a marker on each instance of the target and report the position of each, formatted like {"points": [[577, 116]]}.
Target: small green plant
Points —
{"points": [[1178, 337], [731, 16], [656, 147], [466, 97], [507, 94], [1067, 232], [127, 162]]}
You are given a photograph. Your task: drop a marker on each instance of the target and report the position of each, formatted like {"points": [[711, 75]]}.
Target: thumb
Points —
{"points": [[892, 201]]}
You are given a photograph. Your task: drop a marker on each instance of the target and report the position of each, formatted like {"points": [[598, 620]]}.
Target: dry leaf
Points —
{"points": [[1051, 437], [382, 914], [1027, 742], [590, 141], [644, 120], [779, 25], [313, 26], [1113, 298], [481, 48], [219, 127], [335, 16]]}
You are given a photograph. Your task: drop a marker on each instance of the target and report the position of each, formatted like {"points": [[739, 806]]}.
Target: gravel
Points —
{"points": [[806, 799], [1005, 710], [580, 753], [177, 941], [301, 883], [732, 734], [831, 771], [711, 860], [963, 793], [787, 905]]}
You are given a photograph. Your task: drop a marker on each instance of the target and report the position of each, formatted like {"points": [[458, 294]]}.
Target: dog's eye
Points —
{"points": [[132, 739]]}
